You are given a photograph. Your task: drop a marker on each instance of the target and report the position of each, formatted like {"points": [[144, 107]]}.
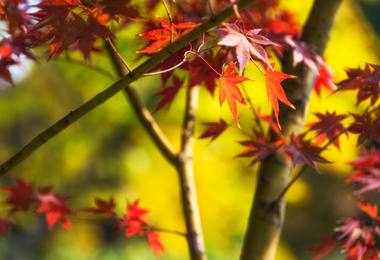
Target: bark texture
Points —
{"points": [[265, 226]]}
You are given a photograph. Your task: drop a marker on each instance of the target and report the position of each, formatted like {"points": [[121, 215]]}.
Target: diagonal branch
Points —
{"points": [[103, 96]]}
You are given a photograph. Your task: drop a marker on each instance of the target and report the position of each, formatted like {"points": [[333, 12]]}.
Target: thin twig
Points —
{"points": [[210, 9], [170, 20], [118, 54], [283, 192], [185, 58]]}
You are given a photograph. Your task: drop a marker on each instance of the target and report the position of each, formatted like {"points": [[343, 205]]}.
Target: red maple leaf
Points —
{"points": [[52, 11], [103, 207], [4, 68], [169, 93], [328, 244], [366, 81], [214, 129], [229, 90], [119, 8], [161, 37], [365, 206], [133, 221], [328, 126], [56, 212], [155, 243], [275, 90], [324, 79], [21, 196], [305, 54], [260, 148], [76, 30], [368, 177], [14, 13], [301, 150], [4, 224], [366, 127], [245, 44]]}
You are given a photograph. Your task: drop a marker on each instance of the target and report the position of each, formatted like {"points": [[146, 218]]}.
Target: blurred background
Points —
{"points": [[107, 152]]}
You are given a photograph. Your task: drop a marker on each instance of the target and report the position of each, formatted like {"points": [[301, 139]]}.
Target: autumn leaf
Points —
{"points": [[52, 11], [4, 224], [365, 206], [56, 212], [305, 54], [228, 90], [21, 196], [119, 8], [328, 126], [275, 90], [4, 68], [214, 129], [155, 243], [327, 245], [169, 93], [260, 148], [365, 127], [301, 150], [366, 81], [76, 30], [161, 37], [324, 79], [245, 44], [103, 207], [133, 221]]}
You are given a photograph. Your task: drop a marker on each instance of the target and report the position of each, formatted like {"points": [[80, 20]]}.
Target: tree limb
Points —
{"points": [[264, 228], [103, 96]]}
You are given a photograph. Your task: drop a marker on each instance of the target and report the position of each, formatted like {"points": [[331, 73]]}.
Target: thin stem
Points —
{"points": [[168, 231], [170, 20], [257, 66], [185, 58], [118, 54], [208, 64], [210, 9], [143, 113], [287, 187]]}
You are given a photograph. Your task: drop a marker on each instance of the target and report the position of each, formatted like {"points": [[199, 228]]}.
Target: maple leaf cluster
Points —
{"points": [[23, 197], [358, 237]]}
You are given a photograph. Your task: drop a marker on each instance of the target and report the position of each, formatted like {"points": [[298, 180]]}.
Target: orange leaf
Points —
{"points": [[162, 36], [229, 90], [275, 90]]}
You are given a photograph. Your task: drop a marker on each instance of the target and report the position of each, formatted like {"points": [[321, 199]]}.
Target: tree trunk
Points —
{"points": [[265, 226]]}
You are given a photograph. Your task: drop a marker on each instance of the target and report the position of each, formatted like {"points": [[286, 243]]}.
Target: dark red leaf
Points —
{"points": [[328, 126], [4, 224], [301, 150], [214, 129], [328, 244], [103, 207], [366, 127], [260, 148], [21, 196], [169, 93]]}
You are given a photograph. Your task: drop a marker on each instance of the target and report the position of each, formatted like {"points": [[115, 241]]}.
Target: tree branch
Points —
{"points": [[264, 227], [185, 169], [103, 96]]}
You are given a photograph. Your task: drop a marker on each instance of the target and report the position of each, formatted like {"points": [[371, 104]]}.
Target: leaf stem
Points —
{"points": [[170, 20], [118, 54]]}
